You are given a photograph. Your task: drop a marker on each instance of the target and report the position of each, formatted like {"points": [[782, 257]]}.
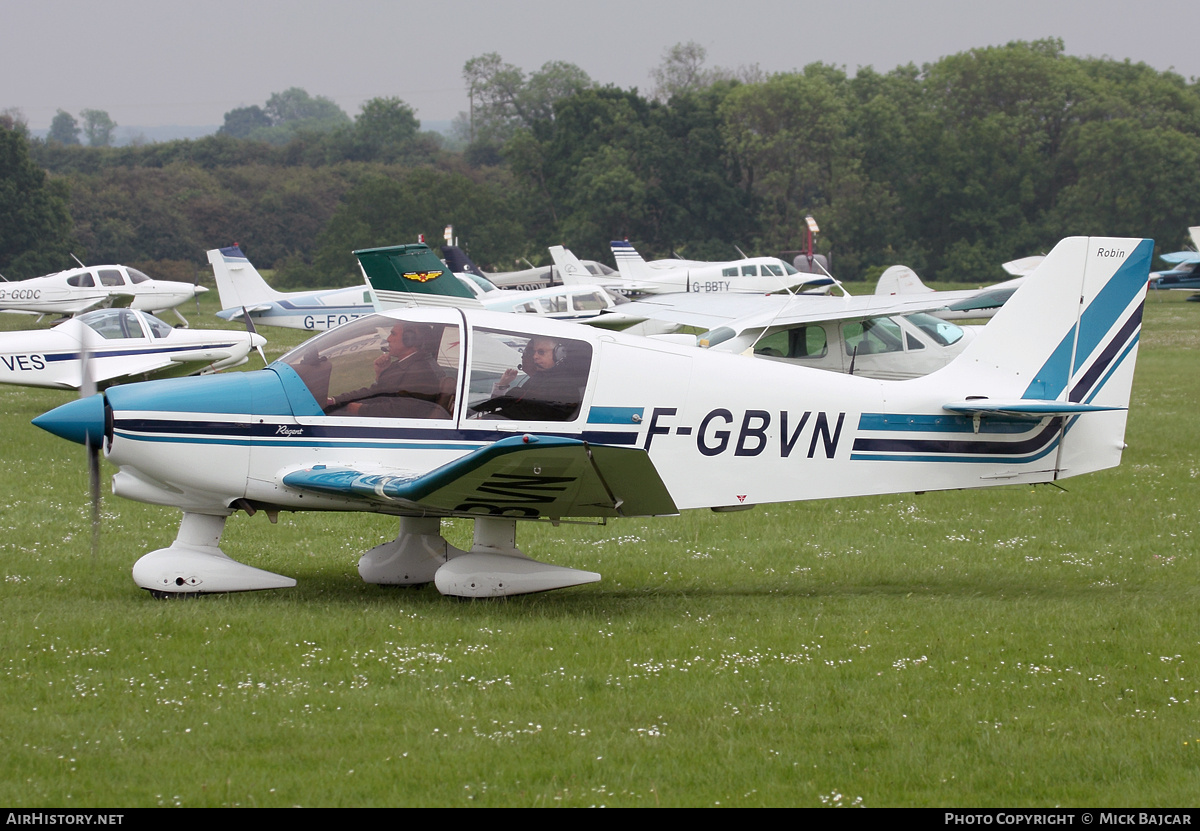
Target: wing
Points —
{"points": [[1181, 257], [522, 477], [712, 310]]}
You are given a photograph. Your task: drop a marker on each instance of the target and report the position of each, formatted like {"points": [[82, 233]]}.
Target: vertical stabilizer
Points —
{"points": [[238, 282], [408, 276], [900, 279], [630, 264], [570, 270], [1069, 336]]}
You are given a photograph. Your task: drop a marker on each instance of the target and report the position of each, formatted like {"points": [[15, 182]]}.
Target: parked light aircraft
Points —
{"points": [[868, 335], [873, 336], [968, 304], [596, 424], [1186, 274], [582, 302], [754, 275], [527, 280], [79, 289], [118, 345], [244, 292]]}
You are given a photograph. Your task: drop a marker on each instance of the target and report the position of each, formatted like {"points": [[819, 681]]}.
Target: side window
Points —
{"points": [[113, 324], [527, 378], [808, 342], [773, 270], [729, 272], [749, 271], [872, 337], [136, 276], [158, 328], [381, 367], [111, 277], [774, 345], [588, 302], [82, 281]]}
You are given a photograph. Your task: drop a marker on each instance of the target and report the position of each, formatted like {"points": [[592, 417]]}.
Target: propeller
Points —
{"points": [[87, 388], [250, 328]]}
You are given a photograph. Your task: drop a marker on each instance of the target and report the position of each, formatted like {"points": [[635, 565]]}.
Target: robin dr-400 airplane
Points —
{"points": [[433, 413]]}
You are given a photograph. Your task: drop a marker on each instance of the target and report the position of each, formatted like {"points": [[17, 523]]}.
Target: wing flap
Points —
{"points": [[522, 477]]}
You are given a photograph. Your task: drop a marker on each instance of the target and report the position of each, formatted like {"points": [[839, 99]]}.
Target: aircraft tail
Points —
{"points": [[1062, 349], [408, 276], [570, 270], [900, 279], [630, 264], [238, 282], [458, 261]]}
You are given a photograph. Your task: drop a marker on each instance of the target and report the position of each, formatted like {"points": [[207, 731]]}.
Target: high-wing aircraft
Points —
{"points": [[537, 277], [873, 336], [968, 304], [869, 335], [754, 275], [118, 345], [243, 292], [598, 425], [1186, 274], [79, 289]]}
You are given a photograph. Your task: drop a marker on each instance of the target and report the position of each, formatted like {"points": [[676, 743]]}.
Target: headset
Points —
{"points": [[560, 353]]}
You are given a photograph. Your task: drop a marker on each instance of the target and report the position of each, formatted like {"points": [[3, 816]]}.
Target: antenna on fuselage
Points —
{"points": [[76, 259]]}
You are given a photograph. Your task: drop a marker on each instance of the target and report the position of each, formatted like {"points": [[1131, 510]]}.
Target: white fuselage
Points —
{"points": [[74, 291], [119, 344]]}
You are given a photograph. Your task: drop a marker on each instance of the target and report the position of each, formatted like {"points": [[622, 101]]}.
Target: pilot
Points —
{"points": [[407, 383], [552, 390]]}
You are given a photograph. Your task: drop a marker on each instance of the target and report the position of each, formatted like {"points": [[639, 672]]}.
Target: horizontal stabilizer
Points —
{"points": [[522, 477], [1023, 408]]}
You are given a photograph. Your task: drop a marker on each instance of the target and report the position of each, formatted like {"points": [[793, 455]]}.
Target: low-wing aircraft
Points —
{"points": [[244, 292], [88, 287], [117, 345], [967, 304], [597, 425], [753, 275], [530, 279], [1186, 273]]}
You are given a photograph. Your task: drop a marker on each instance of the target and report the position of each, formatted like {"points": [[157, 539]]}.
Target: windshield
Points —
{"points": [[942, 331], [382, 367]]}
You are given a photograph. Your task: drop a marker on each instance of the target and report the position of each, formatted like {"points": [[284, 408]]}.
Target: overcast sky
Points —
{"points": [[170, 62]]}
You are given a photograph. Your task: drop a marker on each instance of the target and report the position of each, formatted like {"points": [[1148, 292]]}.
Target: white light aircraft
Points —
{"points": [[968, 304], [530, 279], [88, 287], [117, 345], [753, 275], [873, 336], [597, 425], [243, 292]]}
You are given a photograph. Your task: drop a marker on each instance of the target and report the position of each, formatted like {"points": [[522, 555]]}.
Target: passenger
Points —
{"points": [[407, 383], [552, 390]]}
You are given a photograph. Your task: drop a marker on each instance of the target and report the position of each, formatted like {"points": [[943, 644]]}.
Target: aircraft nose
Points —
{"points": [[199, 289], [76, 421]]}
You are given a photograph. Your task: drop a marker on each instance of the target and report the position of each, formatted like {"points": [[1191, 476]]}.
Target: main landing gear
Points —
{"points": [[493, 567]]}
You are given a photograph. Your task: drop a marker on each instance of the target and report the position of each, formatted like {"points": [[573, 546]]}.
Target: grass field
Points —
{"points": [[1011, 647]]}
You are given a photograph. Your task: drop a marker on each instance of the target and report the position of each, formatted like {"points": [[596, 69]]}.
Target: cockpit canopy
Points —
{"points": [[393, 367]]}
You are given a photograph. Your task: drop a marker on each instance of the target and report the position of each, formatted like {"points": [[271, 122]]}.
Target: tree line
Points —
{"points": [[953, 168]]}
